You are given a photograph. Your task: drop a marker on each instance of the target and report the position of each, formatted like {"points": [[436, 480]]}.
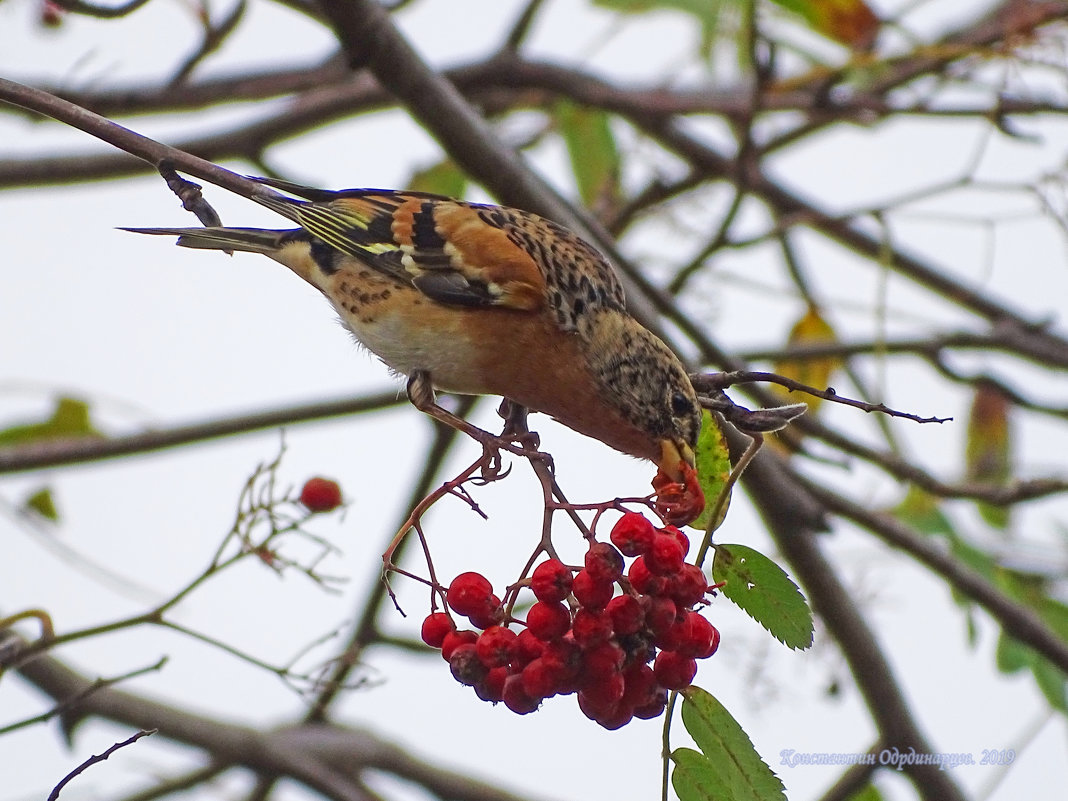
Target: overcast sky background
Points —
{"points": [[156, 336]]}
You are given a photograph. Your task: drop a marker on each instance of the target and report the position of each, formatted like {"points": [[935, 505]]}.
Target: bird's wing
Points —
{"points": [[454, 252]]}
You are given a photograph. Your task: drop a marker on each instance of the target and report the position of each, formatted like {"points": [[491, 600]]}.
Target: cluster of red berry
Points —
{"points": [[600, 644]]}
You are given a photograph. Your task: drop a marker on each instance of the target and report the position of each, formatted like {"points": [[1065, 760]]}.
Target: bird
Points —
{"points": [[480, 299]]}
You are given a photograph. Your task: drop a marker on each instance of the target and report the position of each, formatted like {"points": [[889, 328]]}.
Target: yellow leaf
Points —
{"points": [[816, 372]]}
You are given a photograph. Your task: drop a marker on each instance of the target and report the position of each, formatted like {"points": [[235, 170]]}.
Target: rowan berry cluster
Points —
{"points": [[618, 637]]}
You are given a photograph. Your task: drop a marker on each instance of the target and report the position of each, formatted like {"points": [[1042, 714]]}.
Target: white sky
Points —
{"points": [[154, 335]]}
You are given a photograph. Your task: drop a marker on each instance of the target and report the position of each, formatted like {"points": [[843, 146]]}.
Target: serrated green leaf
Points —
{"points": [[69, 420], [713, 468], [728, 768], [443, 178], [587, 132], [693, 778], [43, 504], [765, 592]]}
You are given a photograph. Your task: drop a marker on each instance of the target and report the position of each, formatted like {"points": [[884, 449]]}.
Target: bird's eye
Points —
{"points": [[681, 405]]}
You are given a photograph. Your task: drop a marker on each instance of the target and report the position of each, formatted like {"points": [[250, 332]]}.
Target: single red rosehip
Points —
{"points": [[435, 626], [469, 593], [626, 614], [548, 621], [551, 581], [673, 670], [320, 495], [633, 534], [603, 562], [516, 698], [454, 639], [590, 592]]}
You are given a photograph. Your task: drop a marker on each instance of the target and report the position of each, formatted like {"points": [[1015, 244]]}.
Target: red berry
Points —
{"points": [[590, 592], [566, 655], [692, 635], [435, 626], [687, 586], [666, 555], [491, 688], [527, 648], [591, 628], [641, 686], [465, 665], [320, 495], [516, 698], [619, 717], [601, 661], [633, 534], [604, 692], [660, 613], [489, 615], [454, 639], [673, 670], [603, 562], [643, 580], [626, 614], [654, 708], [469, 593], [713, 646], [496, 646], [551, 581], [542, 678], [548, 621], [684, 541]]}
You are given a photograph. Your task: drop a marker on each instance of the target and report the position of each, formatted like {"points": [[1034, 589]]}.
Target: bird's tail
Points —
{"points": [[249, 240]]}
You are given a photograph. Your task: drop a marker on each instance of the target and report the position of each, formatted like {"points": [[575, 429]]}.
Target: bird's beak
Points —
{"points": [[673, 455]]}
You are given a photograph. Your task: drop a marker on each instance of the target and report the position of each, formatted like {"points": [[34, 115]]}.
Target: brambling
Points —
{"points": [[482, 300]]}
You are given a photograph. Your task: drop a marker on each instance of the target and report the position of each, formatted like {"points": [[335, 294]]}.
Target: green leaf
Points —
{"points": [[764, 592], [587, 132], [988, 452], [728, 767], [1011, 656], [922, 511], [443, 178], [867, 793], [850, 22], [43, 504], [69, 420], [713, 468], [1051, 681]]}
